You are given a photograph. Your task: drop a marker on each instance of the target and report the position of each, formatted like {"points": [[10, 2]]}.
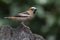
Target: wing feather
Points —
{"points": [[24, 14]]}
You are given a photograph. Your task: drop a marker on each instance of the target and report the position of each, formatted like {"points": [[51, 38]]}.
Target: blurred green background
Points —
{"points": [[46, 21]]}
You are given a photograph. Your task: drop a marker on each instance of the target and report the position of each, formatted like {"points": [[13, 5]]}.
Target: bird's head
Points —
{"points": [[33, 9]]}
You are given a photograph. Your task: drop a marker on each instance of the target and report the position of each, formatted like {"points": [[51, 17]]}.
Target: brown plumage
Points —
{"points": [[24, 16]]}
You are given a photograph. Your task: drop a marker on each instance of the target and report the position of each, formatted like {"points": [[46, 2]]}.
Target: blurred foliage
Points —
{"points": [[46, 22]]}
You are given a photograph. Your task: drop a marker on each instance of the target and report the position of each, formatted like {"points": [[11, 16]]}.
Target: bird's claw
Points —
{"points": [[27, 27]]}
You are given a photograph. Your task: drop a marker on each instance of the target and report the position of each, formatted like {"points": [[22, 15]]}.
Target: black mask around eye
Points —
{"points": [[34, 10]]}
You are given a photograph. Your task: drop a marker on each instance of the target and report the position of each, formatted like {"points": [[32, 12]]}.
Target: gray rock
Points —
{"points": [[20, 33]]}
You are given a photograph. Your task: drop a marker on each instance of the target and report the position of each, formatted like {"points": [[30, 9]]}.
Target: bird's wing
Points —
{"points": [[24, 14]]}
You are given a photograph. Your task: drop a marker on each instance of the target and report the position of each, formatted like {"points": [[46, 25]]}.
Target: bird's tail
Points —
{"points": [[5, 17], [9, 17]]}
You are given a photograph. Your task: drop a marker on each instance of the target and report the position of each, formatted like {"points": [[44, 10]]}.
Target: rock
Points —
{"points": [[19, 33]]}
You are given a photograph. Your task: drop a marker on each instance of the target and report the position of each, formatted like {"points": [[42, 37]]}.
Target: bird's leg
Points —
{"points": [[24, 25]]}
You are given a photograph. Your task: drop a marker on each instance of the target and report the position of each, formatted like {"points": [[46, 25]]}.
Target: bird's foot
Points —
{"points": [[24, 25], [27, 27]]}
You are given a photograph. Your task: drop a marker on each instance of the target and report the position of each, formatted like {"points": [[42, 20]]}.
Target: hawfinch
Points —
{"points": [[24, 16]]}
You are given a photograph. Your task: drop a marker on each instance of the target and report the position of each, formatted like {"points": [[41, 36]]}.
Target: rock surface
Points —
{"points": [[20, 33]]}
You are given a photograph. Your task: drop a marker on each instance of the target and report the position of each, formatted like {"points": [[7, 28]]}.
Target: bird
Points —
{"points": [[24, 16]]}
